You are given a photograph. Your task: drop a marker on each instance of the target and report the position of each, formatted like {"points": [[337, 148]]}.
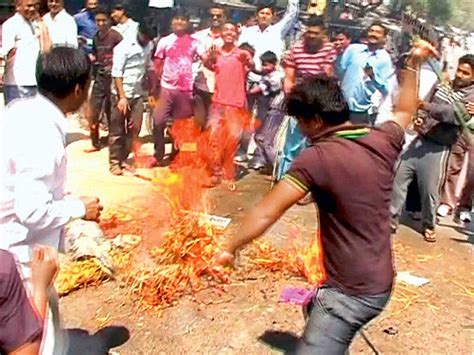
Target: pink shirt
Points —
{"points": [[178, 54], [231, 77]]}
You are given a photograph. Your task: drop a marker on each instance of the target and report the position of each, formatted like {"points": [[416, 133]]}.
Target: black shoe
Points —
{"points": [[81, 342], [116, 170]]}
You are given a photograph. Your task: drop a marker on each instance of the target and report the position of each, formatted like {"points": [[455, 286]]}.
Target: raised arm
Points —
{"points": [[408, 99], [289, 18]]}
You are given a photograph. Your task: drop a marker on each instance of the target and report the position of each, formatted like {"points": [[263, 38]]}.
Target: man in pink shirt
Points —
{"points": [[174, 57], [228, 109]]}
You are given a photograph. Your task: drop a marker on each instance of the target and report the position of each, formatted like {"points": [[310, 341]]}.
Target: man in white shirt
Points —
{"points": [[20, 49], [61, 26], [34, 207], [124, 24], [130, 63], [265, 36]]}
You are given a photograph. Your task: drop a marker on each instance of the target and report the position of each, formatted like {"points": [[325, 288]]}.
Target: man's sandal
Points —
{"points": [[429, 235]]}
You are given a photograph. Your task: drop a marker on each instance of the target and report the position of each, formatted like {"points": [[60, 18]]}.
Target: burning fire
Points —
{"points": [[184, 262]]}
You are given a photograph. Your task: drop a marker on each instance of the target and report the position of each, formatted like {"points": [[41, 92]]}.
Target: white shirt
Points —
{"points": [[130, 62], [33, 205], [62, 29], [427, 82], [205, 79], [128, 30], [271, 38], [20, 34]]}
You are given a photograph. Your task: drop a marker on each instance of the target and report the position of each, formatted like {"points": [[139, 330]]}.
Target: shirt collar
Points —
{"points": [[343, 130], [366, 49], [58, 16]]}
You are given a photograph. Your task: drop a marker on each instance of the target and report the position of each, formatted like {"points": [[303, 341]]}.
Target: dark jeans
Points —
{"points": [[172, 104], [202, 104], [335, 318], [265, 138], [124, 129], [100, 99], [11, 92]]}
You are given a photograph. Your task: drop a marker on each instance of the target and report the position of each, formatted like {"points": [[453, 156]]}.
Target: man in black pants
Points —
{"points": [[103, 46], [131, 61], [353, 197]]}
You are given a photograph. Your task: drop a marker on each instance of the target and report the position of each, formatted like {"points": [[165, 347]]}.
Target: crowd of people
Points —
{"points": [[326, 112]]}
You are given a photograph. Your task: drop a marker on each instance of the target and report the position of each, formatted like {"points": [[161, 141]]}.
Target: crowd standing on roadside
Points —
{"points": [[322, 110]]}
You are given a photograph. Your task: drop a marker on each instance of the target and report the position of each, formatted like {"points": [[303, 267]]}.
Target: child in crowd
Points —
{"points": [[229, 103], [270, 95]]}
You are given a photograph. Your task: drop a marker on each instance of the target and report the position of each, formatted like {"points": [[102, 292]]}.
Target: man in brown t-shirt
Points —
{"points": [[349, 171], [103, 46]]}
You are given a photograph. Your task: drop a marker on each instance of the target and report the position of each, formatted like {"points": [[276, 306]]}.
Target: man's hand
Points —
{"points": [[44, 267], [123, 106], [470, 108], [288, 87], [245, 57], [421, 104], [212, 52], [152, 101], [93, 208], [225, 259], [369, 71], [420, 52]]}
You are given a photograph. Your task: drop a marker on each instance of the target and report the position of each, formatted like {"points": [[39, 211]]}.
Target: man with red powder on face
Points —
{"points": [[174, 57], [228, 109]]}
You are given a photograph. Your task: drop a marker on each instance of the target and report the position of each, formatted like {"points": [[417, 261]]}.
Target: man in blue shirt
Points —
{"points": [[363, 70], [86, 27]]}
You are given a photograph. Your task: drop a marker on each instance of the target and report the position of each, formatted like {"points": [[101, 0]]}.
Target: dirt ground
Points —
{"points": [[434, 319]]}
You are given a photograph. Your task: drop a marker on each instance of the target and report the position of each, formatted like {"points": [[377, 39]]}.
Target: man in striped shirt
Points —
{"points": [[309, 57], [443, 118]]}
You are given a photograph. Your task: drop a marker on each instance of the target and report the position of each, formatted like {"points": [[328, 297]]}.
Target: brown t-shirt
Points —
{"points": [[19, 323], [103, 48], [351, 180]]}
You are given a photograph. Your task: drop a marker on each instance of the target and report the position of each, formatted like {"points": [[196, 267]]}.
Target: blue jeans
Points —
{"points": [[11, 92], [335, 318]]}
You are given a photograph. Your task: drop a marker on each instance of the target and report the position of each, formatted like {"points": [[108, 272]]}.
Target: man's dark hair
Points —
{"points": [[344, 32], [247, 47], [380, 24], [100, 10], [181, 12], [229, 21], [266, 4], [60, 70], [269, 57], [146, 30], [120, 6], [217, 6], [318, 97], [467, 59], [315, 21]]}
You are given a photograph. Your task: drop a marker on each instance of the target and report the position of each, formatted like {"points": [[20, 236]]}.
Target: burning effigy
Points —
{"points": [[184, 261]]}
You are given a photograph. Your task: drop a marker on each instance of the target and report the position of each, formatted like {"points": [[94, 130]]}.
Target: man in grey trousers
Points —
{"points": [[428, 154]]}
